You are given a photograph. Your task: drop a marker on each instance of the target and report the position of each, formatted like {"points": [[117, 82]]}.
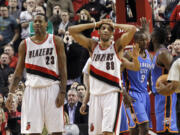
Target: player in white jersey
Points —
{"points": [[105, 97], [44, 58]]}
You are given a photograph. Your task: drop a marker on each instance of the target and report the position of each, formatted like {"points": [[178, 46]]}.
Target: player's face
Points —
{"points": [[142, 40], [105, 32], [39, 24]]}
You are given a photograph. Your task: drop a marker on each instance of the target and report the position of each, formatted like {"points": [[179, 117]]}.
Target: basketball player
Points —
{"points": [[104, 79], [137, 88], [174, 74], [44, 58], [165, 106]]}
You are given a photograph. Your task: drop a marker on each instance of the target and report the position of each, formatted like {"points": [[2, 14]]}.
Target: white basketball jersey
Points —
{"points": [[104, 71], [41, 63]]}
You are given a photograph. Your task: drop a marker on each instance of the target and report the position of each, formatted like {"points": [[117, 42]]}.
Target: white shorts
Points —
{"points": [[104, 113], [39, 109]]}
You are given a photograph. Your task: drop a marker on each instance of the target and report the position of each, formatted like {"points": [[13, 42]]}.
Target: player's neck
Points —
{"points": [[158, 46], [105, 44], [142, 53], [40, 37]]}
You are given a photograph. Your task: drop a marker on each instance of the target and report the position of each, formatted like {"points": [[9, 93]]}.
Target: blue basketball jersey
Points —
{"points": [[155, 73], [165, 106], [138, 79]]}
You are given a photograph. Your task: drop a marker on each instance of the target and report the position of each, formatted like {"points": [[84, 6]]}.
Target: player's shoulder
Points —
{"points": [[57, 39]]}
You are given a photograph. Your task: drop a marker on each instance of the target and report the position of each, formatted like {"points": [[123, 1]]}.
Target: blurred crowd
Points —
{"points": [[16, 24]]}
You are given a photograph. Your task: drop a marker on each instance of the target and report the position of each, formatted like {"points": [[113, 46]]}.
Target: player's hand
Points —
{"points": [[107, 21], [127, 99], [144, 23], [60, 99], [164, 87], [83, 109], [135, 52]]}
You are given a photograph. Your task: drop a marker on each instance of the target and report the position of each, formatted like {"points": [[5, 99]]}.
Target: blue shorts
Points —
{"points": [[165, 110], [140, 111], [124, 120]]}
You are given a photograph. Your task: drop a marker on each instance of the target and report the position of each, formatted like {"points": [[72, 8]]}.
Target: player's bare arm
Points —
{"points": [[62, 71], [87, 95], [134, 64], [126, 38], [84, 103], [17, 74], [19, 68], [75, 32], [164, 58]]}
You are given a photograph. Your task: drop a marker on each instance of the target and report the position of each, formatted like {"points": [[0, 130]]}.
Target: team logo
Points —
{"points": [[28, 126], [92, 127]]}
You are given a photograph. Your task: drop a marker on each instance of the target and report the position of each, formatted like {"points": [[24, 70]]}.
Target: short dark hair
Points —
{"points": [[138, 33], [81, 85], [45, 17], [160, 35], [107, 24]]}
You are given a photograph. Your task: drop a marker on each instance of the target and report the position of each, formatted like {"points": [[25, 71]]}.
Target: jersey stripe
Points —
{"points": [[34, 69], [103, 76], [117, 112]]}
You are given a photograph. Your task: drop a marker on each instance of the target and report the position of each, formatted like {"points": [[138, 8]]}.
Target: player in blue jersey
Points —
{"points": [[138, 89], [165, 106]]}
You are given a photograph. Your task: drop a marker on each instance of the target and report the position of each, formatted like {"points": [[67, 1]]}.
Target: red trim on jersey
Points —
{"points": [[55, 43], [94, 47], [104, 74], [117, 53], [118, 114], [41, 69], [100, 47], [47, 35]]}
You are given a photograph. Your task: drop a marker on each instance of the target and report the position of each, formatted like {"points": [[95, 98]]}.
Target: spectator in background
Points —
{"points": [[74, 55], [40, 9], [41, 3], [65, 23], [175, 16], [112, 14], [74, 85], [26, 17], [85, 17], [95, 9], [14, 10], [13, 58], [5, 70], [78, 4], [3, 120], [72, 109], [66, 5], [81, 90], [9, 31], [13, 125], [56, 18], [19, 94]]}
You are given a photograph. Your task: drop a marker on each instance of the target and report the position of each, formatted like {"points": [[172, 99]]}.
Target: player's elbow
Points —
{"points": [[71, 30], [133, 29]]}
